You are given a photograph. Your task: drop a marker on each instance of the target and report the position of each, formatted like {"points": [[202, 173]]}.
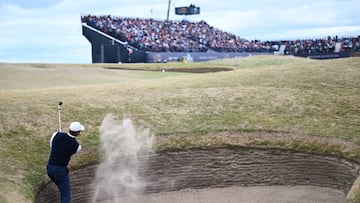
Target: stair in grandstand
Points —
{"points": [[282, 49], [338, 47]]}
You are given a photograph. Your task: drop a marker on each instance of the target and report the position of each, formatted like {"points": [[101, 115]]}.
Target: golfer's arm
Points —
{"points": [[51, 139], [79, 148]]}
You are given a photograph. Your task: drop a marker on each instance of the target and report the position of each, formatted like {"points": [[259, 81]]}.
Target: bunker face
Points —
{"points": [[177, 173]]}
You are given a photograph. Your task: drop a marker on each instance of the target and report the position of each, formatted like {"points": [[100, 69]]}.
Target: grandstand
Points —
{"points": [[131, 40]]}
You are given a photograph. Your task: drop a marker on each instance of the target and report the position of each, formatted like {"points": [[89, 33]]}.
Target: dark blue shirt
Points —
{"points": [[63, 146]]}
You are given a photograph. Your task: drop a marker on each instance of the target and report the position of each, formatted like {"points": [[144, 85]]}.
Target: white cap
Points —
{"points": [[76, 126]]}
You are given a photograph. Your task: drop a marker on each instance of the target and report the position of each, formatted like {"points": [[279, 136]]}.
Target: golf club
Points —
{"points": [[59, 109]]}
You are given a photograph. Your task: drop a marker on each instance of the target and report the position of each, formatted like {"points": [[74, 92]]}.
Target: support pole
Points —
{"points": [[168, 11]]}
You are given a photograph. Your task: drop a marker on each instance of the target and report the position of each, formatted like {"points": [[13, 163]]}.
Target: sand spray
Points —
{"points": [[126, 150]]}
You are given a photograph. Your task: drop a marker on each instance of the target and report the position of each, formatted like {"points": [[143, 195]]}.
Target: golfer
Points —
{"points": [[63, 146]]}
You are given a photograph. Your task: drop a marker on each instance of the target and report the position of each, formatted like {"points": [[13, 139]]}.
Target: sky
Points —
{"points": [[49, 31]]}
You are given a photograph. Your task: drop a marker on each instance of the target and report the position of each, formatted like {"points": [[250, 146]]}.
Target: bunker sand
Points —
{"points": [[279, 194]]}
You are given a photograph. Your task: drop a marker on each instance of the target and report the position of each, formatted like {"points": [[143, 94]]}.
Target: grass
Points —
{"points": [[268, 95]]}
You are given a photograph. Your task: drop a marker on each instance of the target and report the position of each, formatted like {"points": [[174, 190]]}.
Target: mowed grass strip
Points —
{"points": [[263, 95]]}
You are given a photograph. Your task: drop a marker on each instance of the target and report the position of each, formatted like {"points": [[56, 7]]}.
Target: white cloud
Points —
{"points": [[341, 31]]}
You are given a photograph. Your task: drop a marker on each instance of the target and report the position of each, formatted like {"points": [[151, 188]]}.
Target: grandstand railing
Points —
{"points": [[113, 39]]}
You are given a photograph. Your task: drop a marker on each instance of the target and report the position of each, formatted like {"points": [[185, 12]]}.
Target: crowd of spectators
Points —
{"points": [[184, 36], [322, 45]]}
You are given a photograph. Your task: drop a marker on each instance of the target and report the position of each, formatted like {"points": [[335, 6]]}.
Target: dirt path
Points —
{"points": [[264, 194]]}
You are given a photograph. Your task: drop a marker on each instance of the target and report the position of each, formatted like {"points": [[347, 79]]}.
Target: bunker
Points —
{"points": [[222, 167]]}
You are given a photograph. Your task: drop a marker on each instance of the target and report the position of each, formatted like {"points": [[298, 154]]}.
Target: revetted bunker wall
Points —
{"points": [[223, 167]]}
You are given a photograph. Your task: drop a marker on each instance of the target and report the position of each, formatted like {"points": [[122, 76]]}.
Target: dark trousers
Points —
{"points": [[60, 176]]}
